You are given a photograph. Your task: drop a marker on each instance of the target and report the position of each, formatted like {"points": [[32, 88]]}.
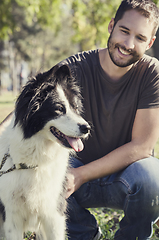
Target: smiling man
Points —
{"points": [[120, 89], [134, 39]]}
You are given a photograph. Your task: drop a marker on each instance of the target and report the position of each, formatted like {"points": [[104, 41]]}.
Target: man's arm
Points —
{"points": [[144, 137]]}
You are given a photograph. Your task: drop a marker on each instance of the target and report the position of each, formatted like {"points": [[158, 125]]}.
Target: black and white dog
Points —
{"points": [[34, 151]]}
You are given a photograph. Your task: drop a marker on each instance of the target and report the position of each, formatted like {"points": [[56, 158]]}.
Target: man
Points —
{"points": [[120, 88]]}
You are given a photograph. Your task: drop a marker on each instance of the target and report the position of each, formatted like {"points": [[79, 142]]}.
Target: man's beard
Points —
{"points": [[111, 49]]}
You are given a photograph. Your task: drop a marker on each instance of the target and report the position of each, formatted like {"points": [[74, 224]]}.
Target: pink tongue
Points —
{"points": [[75, 143]]}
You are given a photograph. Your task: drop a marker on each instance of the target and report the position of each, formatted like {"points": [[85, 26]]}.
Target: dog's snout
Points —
{"points": [[84, 128]]}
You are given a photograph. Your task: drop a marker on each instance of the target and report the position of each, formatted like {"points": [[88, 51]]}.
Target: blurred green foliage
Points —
{"points": [[44, 32]]}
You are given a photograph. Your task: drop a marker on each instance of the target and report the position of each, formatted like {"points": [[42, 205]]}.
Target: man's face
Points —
{"points": [[129, 38]]}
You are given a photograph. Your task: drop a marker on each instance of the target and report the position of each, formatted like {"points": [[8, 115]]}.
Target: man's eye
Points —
{"points": [[125, 32], [140, 39]]}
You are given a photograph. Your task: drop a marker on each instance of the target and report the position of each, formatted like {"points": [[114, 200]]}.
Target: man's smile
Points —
{"points": [[126, 53]]}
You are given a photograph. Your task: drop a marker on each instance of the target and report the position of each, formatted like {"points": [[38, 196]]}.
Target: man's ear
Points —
{"points": [[151, 43], [111, 26]]}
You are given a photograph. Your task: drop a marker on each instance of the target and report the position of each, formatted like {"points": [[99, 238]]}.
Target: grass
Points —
{"points": [[108, 219]]}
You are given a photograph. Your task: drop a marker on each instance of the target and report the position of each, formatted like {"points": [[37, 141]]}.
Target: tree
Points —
{"points": [[45, 13], [45, 32], [6, 23], [90, 21], [34, 34]]}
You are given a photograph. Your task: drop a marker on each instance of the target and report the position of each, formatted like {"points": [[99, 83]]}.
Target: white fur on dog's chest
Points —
{"points": [[32, 191]]}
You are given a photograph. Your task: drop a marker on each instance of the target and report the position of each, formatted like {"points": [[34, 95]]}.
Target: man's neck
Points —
{"points": [[113, 71]]}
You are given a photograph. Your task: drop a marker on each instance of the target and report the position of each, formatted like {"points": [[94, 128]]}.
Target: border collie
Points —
{"points": [[34, 149]]}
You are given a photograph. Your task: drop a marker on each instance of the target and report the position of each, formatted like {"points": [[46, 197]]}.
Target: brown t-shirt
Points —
{"points": [[111, 106]]}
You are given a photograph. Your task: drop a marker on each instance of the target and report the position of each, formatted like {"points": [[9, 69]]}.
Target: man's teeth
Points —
{"points": [[124, 52]]}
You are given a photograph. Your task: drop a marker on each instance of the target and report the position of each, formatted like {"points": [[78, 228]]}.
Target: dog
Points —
{"points": [[46, 128]]}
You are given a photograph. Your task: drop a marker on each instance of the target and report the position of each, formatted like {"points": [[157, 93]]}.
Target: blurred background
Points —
{"points": [[37, 34]]}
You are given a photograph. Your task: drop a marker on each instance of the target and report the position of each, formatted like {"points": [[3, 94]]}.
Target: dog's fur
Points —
{"points": [[45, 127]]}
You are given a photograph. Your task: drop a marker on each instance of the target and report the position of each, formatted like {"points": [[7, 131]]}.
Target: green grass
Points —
{"points": [[108, 219]]}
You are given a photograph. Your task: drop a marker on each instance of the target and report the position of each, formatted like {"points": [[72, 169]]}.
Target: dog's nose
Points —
{"points": [[85, 128]]}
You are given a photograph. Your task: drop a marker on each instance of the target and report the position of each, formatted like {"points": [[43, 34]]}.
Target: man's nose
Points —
{"points": [[129, 43]]}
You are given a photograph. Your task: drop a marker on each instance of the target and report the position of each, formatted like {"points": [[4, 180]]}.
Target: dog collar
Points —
{"points": [[15, 166]]}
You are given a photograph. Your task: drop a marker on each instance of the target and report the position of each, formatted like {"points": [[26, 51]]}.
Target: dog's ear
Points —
{"points": [[46, 75], [63, 71], [56, 72]]}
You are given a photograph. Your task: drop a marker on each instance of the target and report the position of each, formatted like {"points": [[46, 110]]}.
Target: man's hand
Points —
{"points": [[74, 181]]}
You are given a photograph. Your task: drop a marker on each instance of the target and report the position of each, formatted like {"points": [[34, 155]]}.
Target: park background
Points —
{"points": [[37, 34]]}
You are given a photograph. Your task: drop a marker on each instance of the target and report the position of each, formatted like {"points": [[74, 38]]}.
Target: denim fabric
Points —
{"points": [[135, 190]]}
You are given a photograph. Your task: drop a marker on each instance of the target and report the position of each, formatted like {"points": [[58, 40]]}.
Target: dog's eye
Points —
{"points": [[59, 108]]}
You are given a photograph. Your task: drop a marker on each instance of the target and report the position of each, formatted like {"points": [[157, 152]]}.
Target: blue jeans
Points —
{"points": [[135, 190]]}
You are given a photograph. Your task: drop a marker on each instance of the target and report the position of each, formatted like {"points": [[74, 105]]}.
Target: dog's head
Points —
{"points": [[50, 104]]}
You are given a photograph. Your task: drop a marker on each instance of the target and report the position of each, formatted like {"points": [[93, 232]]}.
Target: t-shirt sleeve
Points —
{"points": [[149, 90]]}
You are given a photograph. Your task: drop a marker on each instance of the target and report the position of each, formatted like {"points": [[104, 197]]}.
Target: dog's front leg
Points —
{"points": [[12, 232], [55, 229]]}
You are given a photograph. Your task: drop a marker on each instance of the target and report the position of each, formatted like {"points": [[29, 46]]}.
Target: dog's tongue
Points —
{"points": [[75, 143]]}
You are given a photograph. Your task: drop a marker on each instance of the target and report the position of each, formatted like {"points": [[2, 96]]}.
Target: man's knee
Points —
{"points": [[142, 180], [142, 175]]}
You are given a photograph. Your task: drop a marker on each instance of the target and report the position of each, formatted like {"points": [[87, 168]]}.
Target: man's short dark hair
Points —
{"points": [[146, 7]]}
